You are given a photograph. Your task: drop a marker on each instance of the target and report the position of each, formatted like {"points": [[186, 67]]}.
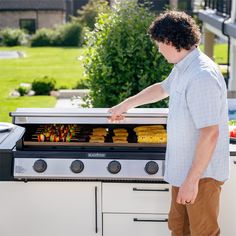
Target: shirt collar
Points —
{"points": [[186, 61]]}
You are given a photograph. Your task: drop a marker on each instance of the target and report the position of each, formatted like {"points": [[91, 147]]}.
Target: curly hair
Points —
{"points": [[176, 28]]}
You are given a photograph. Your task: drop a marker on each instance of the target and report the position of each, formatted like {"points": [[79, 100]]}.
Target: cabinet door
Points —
{"points": [[136, 198], [50, 209], [228, 203], [135, 225]]}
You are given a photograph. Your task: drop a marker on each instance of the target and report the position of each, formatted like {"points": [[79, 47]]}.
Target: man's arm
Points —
{"points": [[151, 94], [204, 150]]}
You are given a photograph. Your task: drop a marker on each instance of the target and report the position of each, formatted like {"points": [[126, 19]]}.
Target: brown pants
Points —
{"points": [[200, 218]]}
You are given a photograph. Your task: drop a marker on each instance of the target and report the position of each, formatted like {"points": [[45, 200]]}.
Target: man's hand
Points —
{"points": [[208, 137], [117, 112], [187, 193]]}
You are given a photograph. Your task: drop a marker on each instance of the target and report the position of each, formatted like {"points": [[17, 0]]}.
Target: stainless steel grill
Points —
{"points": [[75, 158]]}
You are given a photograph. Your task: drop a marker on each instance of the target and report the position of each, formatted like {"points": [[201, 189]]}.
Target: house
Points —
{"points": [[219, 19], [34, 14]]}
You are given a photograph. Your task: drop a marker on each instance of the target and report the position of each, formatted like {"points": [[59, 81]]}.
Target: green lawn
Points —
{"points": [[62, 64], [10, 104], [220, 53]]}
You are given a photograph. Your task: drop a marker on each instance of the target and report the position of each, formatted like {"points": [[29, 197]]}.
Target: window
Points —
{"points": [[29, 25]]}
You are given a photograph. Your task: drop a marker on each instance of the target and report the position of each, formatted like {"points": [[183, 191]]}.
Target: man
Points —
{"points": [[197, 156]]}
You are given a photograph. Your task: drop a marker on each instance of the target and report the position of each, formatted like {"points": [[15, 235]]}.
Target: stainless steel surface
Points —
{"points": [[8, 138], [50, 160], [86, 116], [4, 135], [93, 169]]}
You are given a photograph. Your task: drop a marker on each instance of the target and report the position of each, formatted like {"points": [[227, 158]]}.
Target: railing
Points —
{"points": [[222, 7]]}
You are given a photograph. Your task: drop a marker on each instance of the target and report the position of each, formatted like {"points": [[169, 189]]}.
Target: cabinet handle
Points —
{"points": [[146, 220], [152, 190], [235, 162], [96, 209]]}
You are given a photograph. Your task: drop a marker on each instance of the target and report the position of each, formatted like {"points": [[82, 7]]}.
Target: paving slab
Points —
{"points": [[10, 54]]}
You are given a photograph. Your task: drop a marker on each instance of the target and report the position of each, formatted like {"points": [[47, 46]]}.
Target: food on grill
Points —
{"points": [[54, 138], [120, 131], [98, 135], [97, 139], [148, 127], [100, 131], [120, 135], [151, 134], [119, 139], [152, 139], [56, 133], [41, 138]]}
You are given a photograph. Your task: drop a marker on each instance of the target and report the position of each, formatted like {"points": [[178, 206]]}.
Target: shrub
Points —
{"points": [[87, 15], [63, 87], [22, 90], [68, 35], [81, 84], [121, 59], [43, 86], [43, 37], [64, 35], [12, 37]]}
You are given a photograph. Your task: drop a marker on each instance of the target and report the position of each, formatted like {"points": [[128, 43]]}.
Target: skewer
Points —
{"points": [[72, 139]]}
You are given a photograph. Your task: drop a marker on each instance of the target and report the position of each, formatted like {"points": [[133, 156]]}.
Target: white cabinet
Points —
{"points": [[83, 209], [50, 209], [228, 203], [135, 209], [135, 225]]}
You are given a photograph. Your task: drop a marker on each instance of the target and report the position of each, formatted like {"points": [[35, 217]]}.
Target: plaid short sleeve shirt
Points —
{"points": [[198, 99]]}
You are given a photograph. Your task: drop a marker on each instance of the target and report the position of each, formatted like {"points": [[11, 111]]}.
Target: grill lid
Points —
{"points": [[87, 116]]}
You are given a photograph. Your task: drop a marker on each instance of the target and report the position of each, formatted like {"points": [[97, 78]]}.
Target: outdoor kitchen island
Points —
{"points": [[110, 187], [111, 190]]}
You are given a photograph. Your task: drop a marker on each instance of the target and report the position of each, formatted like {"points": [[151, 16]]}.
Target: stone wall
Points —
{"points": [[48, 19]]}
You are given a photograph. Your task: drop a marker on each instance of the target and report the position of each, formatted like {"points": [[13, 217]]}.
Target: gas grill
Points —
{"points": [[57, 145]]}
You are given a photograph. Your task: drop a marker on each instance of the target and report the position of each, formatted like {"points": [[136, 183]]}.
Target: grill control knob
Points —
{"points": [[40, 166], [77, 166], [114, 167], [151, 167]]}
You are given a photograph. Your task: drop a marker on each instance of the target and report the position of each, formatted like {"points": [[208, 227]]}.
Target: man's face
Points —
{"points": [[168, 51]]}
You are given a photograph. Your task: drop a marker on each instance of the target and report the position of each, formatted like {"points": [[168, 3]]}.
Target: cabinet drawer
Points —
{"points": [[135, 225], [136, 198]]}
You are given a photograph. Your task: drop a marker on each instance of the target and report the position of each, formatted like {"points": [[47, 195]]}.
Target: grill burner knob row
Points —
{"points": [[77, 166], [114, 167], [40, 166], [151, 167]]}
